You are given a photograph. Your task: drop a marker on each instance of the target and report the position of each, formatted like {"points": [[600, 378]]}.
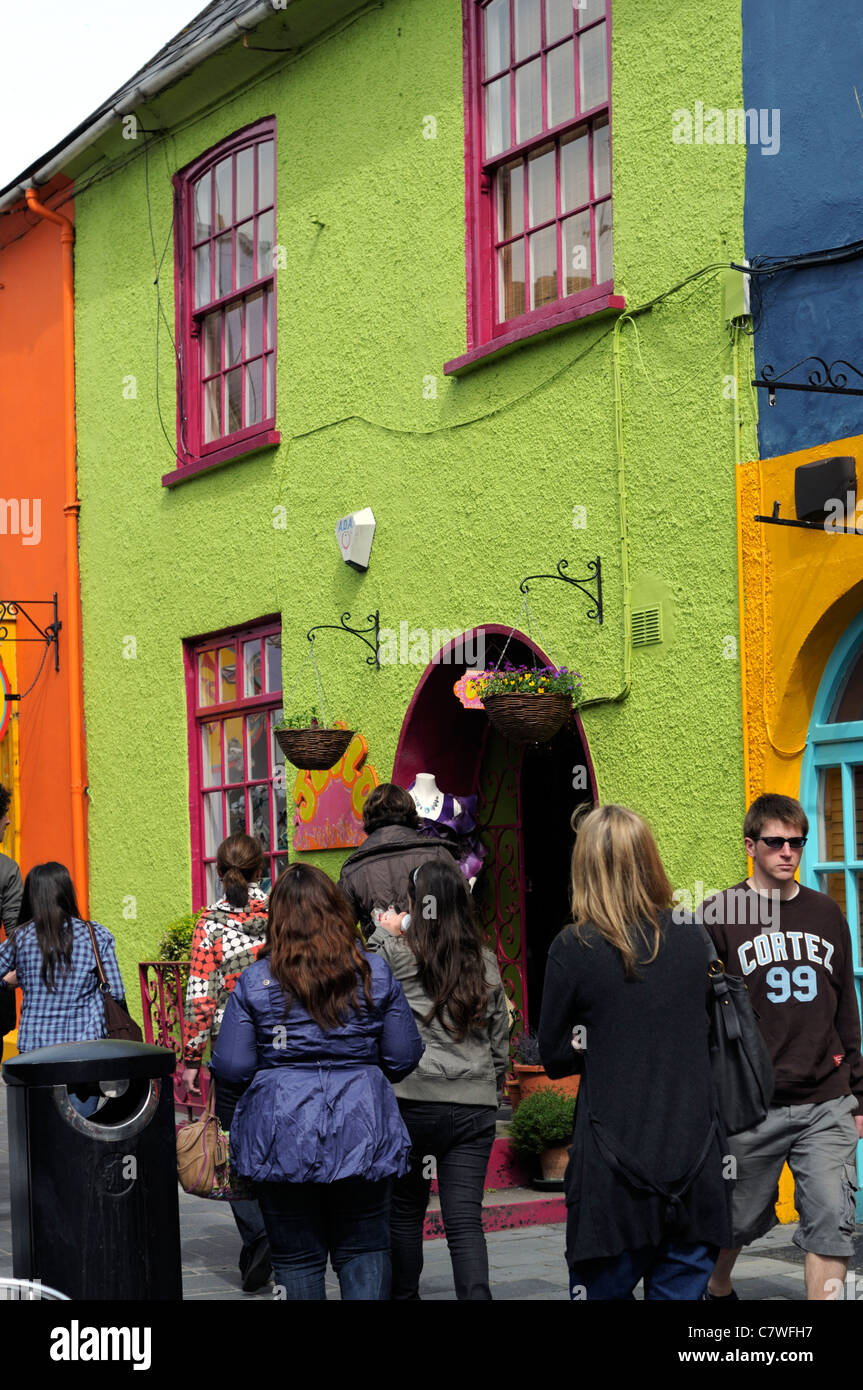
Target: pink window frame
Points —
{"points": [[486, 337], [196, 716], [193, 455]]}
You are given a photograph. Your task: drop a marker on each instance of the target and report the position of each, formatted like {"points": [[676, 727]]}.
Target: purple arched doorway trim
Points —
{"points": [[439, 735]]}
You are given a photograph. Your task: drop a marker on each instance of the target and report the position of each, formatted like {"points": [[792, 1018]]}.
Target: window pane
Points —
{"points": [[858, 883], [497, 135], [511, 269], [560, 80], [273, 653], [528, 100], [832, 839], [271, 386], [594, 72], [212, 409], [265, 174], [203, 211], [207, 678], [255, 392], [574, 176], [256, 753], [212, 886], [224, 194], [857, 774], [541, 189], [245, 183], [227, 674], [834, 886], [266, 237], [527, 28], [604, 249], [280, 815], [213, 822], [496, 36], [270, 324], [601, 161], [588, 10], [234, 401], [212, 343], [849, 705], [236, 807], [224, 265], [259, 804], [543, 267], [255, 324], [211, 754], [245, 255], [233, 334], [252, 668], [510, 185], [576, 253], [203, 289], [558, 19], [235, 763]]}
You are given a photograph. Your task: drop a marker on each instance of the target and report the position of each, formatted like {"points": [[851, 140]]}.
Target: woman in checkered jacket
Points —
{"points": [[228, 936]]}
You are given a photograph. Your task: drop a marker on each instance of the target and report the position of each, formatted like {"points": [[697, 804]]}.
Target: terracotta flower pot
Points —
{"points": [[513, 1091], [532, 1078], [553, 1162]]}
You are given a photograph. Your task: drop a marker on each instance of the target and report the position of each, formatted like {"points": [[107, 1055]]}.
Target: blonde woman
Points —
{"points": [[625, 1003]]}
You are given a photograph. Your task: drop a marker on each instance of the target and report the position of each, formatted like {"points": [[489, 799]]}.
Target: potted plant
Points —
{"points": [[307, 743], [528, 704], [542, 1129], [530, 1076]]}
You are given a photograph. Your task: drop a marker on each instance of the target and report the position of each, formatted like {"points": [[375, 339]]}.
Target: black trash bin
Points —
{"points": [[94, 1198]]}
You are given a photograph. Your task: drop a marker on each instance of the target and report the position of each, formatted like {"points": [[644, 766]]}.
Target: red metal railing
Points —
{"points": [[163, 988]]}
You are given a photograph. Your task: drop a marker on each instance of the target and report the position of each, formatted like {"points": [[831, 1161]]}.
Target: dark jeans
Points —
{"points": [[348, 1220], [459, 1137], [247, 1213], [672, 1270]]}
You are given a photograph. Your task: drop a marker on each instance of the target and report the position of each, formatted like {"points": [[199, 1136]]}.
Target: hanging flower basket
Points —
{"points": [[527, 705], [313, 747]]}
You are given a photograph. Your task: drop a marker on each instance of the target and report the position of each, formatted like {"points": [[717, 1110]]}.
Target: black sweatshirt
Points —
{"points": [[795, 957]]}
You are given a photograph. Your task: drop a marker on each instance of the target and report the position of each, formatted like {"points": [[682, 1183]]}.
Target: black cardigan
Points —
{"points": [[647, 1154]]}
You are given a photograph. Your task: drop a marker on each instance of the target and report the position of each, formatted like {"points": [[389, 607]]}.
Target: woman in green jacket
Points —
{"points": [[449, 1103]]}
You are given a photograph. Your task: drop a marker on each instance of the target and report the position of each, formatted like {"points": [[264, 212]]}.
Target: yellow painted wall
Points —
{"points": [[10, 776], [801, 589]]}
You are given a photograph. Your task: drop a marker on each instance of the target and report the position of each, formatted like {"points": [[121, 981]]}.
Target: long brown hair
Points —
{"points": [[239, 862], [619, 883], [313, 947], [445, 938]]}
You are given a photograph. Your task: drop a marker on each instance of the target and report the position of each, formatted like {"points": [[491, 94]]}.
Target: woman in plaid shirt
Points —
{"points": [[51, 957], [228, 936]]}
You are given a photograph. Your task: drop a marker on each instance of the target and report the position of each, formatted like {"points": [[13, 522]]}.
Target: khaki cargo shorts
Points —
{"points": [[819, 1143]]}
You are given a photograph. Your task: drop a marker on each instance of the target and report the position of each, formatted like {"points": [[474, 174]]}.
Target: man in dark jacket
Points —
{"points": [[376, 876]]}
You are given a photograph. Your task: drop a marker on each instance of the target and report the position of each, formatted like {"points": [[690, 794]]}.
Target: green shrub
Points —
{"points": [[176, 944], [542, 1121]]}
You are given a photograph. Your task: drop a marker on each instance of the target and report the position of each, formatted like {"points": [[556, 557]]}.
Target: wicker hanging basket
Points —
{"points": [[313, 749], [528, 718]]}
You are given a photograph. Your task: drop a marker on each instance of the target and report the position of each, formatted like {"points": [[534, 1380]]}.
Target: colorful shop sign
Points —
{"points": [[330, 804], [466, 689]]}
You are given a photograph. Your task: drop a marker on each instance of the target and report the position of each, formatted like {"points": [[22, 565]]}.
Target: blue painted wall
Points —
{"points": [[806, 60]]}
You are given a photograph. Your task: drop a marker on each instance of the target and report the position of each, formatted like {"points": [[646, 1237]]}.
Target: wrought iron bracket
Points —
{"points": [[595, 577], [50, 635], [374, 620], [776, 520], [820, 378]]}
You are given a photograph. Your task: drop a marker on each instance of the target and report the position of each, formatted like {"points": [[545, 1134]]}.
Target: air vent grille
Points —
{"points": [[646, 627]]}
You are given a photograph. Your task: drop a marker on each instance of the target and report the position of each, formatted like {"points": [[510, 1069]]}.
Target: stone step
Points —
{"points": [[504, 1210]]}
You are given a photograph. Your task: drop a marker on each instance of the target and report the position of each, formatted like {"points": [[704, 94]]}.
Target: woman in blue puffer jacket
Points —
{"points": [[316, 1029]]}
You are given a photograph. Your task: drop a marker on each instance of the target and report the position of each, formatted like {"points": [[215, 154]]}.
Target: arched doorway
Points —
{"points": [[831, 792], [525, 798]]}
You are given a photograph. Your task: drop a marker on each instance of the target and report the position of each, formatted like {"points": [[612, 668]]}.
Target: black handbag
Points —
{"points": [[742, 1069], [119, 1023]]}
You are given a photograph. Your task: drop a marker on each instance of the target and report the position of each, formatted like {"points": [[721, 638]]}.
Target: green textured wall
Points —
{"points": [[471, 490]]}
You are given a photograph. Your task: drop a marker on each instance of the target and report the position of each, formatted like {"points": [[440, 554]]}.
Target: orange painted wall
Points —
{"points": [[31, 466]]}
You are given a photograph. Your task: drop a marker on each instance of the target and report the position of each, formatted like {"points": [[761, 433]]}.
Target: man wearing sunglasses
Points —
{"points": [[793, 948]]}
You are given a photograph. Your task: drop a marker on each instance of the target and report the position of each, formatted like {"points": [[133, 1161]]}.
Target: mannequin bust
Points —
{"points": [[428, 797]]}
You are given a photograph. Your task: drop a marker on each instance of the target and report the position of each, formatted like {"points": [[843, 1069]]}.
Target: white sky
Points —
{"points": [[59, 59]]}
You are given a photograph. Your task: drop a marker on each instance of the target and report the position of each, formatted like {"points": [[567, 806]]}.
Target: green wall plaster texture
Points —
{"points": [[471, 490]]}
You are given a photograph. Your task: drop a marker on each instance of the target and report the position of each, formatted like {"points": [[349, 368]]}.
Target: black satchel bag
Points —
{"points": [[742, 1069], [119, 1023]]}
